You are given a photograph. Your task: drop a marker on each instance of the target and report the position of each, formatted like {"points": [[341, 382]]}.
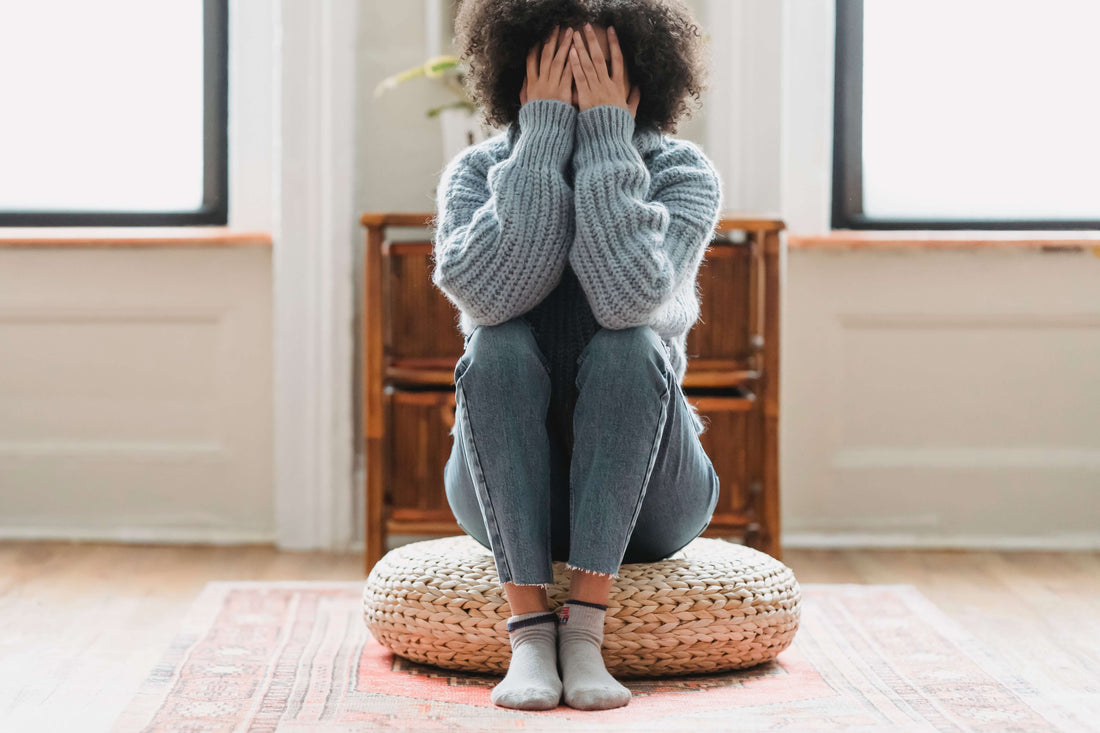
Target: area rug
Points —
{"points": [[296, 656]]}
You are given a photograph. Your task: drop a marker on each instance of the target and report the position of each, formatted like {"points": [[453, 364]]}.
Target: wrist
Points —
{"points": [[547, 128], [604, 131]]}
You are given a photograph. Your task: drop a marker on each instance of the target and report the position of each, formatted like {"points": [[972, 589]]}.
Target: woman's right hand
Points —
{"points": [[549, 77]]}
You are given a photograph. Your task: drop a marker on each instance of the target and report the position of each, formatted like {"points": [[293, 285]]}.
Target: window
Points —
{"points": [[114, 112], [967, 114]]}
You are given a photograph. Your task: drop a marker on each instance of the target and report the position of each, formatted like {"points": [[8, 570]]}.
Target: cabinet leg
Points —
{"points": [[375, 549], [374, 533], [770, 545]]}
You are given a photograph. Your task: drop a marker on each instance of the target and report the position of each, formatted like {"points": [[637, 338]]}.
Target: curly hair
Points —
{"points": [[663, 49]]}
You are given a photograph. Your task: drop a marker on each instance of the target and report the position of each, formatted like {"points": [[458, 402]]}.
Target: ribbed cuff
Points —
{"points": [[603, 132], [546, 132], [576, 615], [531, 619]]}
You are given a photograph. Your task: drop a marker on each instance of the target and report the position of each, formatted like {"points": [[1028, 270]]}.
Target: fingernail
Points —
{"points": [[611, 29]]}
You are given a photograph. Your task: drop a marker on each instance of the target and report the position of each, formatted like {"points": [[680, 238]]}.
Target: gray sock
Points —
{"points": [[586, 682], [532, 681]]}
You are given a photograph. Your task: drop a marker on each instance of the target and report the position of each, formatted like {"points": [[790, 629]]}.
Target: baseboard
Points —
{"points": [[1083, 542], [793, 540], [901, 541], [140, 535]]}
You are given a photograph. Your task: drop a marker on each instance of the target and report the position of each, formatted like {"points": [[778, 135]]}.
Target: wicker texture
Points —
{"points": [[711, 607]]}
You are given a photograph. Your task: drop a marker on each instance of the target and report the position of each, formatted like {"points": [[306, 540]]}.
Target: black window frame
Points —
{"points": [[215, 202], [847, 192]]}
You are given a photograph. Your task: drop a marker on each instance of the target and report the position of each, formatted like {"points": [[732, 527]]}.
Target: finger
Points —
{"points": [[566, 78], [618, 71], [584, 62], [561, 58], [578, 69], [532, 70], [596, 53], [565, 85], [548, 49]]}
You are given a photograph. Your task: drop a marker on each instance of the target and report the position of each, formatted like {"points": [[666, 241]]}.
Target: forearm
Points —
{"points": [[638, 236], [506, 257]]}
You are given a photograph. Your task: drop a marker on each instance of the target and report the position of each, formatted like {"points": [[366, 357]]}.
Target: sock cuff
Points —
{"points": [[575, 602], [530, 619], [583, 615]]}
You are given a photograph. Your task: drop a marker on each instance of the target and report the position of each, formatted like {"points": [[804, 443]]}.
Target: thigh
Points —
{"points": [[461, 495], [682, 491], [458, 479]]}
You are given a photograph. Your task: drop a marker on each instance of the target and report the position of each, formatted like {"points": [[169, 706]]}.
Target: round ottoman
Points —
{"points": [[711, 607]]}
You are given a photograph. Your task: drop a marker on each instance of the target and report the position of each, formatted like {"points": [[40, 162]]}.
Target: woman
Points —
{"points": [[571, 244]]}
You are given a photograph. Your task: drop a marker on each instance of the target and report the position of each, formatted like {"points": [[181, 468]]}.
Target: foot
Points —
{"points": [[532, 681], [585, 680]]}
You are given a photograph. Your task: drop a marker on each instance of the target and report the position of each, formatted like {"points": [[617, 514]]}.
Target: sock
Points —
{"points": [[586, 682], [532, 681]]}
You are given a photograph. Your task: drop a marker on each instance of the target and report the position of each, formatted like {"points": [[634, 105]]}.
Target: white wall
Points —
{"points": [[136, 382], [135, 394], [928, 398], [942, 399]]}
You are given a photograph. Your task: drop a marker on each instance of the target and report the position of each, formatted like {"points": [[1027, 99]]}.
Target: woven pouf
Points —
{"points": [[711, 607]]}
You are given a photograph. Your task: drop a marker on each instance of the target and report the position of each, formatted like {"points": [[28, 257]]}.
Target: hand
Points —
{"points": [[594, 85], [550, 77]]}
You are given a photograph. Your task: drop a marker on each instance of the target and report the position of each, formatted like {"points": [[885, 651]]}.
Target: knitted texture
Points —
{"points": [[565, 198]]}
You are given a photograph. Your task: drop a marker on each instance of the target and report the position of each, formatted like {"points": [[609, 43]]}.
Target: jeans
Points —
{"points": [[636, 485]]}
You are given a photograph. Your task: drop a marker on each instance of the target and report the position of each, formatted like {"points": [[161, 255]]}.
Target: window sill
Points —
{"points": [[954, 239], [81, 237]]}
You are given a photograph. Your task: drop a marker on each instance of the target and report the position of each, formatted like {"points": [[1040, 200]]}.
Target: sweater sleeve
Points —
{"points": [[504, 228], [638, 236]]}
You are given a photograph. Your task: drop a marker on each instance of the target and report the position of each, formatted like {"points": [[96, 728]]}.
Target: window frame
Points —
{"points": [[214, 209], [847, 179]]}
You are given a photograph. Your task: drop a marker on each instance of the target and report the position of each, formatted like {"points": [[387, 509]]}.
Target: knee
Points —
{"points": [[502, 352], [636, 350]]}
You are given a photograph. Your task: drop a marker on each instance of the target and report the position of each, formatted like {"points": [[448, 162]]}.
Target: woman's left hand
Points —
{"points": [[594, 85]]}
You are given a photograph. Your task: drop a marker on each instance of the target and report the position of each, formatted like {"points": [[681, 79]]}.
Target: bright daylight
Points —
{"points": [[555, 365]]}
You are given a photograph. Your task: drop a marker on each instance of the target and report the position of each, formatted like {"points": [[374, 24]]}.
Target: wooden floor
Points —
{"points": [[82, 624]]}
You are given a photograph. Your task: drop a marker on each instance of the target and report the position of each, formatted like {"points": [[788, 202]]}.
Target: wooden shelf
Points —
{"points": [[411, 349]]}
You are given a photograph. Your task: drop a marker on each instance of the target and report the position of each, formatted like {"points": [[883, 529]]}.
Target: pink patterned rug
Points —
{"points": [[296, 656]]}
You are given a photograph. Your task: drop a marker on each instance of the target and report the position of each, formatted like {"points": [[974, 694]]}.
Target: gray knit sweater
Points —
{"points": [[577, 220]]}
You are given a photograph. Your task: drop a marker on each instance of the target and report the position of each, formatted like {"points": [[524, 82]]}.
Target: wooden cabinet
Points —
{"points": [[411, 343]]}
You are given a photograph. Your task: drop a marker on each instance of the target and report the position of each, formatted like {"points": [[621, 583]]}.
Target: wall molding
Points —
{"points": [[893, 541], [138, 534], [808, 41], [312, 257], [769, 107], [743, 102], [872, 540]]}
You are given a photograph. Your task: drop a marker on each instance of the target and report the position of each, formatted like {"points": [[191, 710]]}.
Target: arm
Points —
{"points": [[637, 239], [503, 229]]}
